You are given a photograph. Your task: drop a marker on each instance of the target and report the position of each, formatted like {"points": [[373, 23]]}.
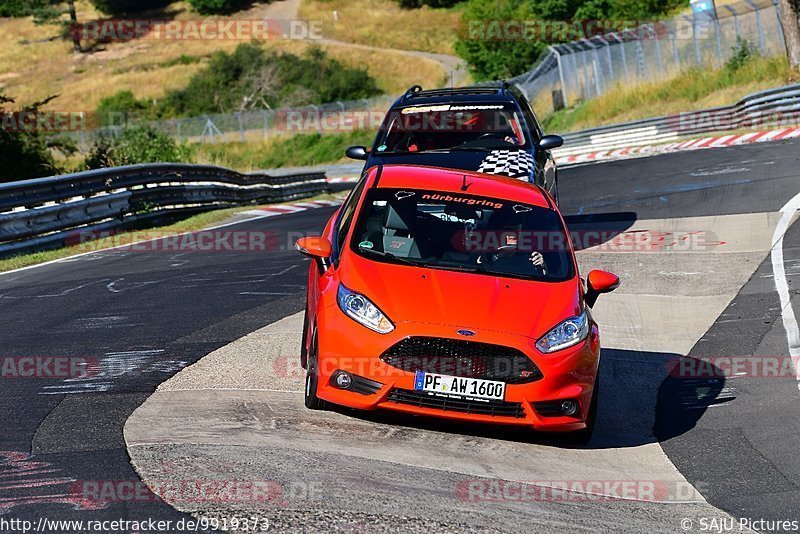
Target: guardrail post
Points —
{"points": [[674, 48], [640, 66], [658, 51], [780, 24], [735, 15], [608, 54], [596, 69], [757, 11], [694, 39], [241, 124], [555, 51], [624, 56]]}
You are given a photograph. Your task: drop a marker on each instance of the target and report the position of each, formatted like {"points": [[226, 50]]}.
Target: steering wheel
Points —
{"points": [[498, 253]]}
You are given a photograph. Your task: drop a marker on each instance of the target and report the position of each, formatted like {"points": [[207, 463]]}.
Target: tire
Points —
{"points": [[582, 437], [312, 402], [555, 192], [303, 347]]}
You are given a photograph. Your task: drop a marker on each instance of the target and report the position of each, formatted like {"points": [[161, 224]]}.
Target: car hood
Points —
{"points": [[513, 163], [463, 300]]}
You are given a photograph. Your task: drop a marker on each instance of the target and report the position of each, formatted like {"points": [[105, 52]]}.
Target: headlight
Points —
{"points": [[359, 308], [569, 333]]}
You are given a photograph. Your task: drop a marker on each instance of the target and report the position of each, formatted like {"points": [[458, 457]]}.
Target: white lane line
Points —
{"points": [[779, 273]]}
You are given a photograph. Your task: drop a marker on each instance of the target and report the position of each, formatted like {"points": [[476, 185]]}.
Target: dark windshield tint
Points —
{"points": [[463, 232], [450, 126]]}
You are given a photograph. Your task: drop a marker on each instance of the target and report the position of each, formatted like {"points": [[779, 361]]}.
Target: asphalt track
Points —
{"points": [[146, 315]]}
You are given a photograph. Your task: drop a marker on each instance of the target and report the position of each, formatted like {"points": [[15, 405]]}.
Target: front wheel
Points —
{"points": [[312, 402]]}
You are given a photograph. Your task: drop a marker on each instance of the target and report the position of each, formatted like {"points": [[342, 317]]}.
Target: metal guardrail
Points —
{"points": [[779, 106], [51, 212]]}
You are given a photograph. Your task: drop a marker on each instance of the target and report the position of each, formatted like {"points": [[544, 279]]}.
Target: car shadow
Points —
{"points": [[598, 229], [637, 388]]}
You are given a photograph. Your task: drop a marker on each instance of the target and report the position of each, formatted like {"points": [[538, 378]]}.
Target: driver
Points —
{"points": [[508, 250]]}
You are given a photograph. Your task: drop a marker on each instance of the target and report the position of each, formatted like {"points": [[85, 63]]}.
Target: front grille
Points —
{"points": [[424, 400], [456, 357]]}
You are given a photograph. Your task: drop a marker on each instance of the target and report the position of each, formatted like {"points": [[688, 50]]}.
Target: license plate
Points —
{"points": [[468, 388]]}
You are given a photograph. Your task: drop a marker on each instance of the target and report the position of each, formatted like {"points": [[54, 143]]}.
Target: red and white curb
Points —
{"points": [[294, 207], [692, 144], [343, 180]]}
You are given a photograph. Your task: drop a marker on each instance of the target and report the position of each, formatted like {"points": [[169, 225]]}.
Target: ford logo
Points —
{"points": [[465, 332]]}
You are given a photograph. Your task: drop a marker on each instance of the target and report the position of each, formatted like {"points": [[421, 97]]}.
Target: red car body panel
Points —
{"points": [[421, 301]]}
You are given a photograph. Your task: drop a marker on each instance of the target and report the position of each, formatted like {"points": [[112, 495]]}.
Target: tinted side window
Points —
{"points": [[348, 210], [530, 118]]}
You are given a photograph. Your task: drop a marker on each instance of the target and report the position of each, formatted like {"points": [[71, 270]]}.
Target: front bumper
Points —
{"points": [[345, 345]]}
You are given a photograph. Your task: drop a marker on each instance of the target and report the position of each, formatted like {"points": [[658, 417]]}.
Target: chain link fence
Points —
{"points": [[587, 68], [257, 124]]}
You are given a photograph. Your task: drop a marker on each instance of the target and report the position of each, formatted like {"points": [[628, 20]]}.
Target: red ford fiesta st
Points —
{"points": [[452, 294]]}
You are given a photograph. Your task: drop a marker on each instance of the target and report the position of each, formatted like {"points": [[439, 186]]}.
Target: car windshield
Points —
{"points": [[463, 232], [452, 127]]}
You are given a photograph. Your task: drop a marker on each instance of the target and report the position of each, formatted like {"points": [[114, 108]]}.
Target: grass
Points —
{"points": [[384, 24], [190, 224], [35, 64], [283, 151], [690, 90]]}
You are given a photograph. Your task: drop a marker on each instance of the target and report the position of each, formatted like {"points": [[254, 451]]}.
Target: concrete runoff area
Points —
{"points": [[239, 410]]}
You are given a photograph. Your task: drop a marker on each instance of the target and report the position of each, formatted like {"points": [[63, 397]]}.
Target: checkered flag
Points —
{"points": [[511, 163]]}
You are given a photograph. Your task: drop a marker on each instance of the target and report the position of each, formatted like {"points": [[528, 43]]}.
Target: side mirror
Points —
{"points": [[317, 248], [599, 282], [356, 152], [549, 142]]}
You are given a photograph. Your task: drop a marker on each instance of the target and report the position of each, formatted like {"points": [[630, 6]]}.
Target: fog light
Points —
{"points": [[569, 407], [343, 380]]}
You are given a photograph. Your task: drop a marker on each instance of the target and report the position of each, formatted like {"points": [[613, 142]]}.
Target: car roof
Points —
{"points": [[492, 93], [451, 181]]}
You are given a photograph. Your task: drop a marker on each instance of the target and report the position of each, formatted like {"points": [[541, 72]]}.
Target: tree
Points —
{"points": [[52, 11], [120, 8], [219, 7], [26, 152], [791, 30]]}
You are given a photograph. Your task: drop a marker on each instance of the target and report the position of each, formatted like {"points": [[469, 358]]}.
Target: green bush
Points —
{"points": [[138, 144], [743, 53], [250, 77], [412, 4], [21, 8], [119, 109], [26, 153], [213, 7], [117, 8], [492, 59]]}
